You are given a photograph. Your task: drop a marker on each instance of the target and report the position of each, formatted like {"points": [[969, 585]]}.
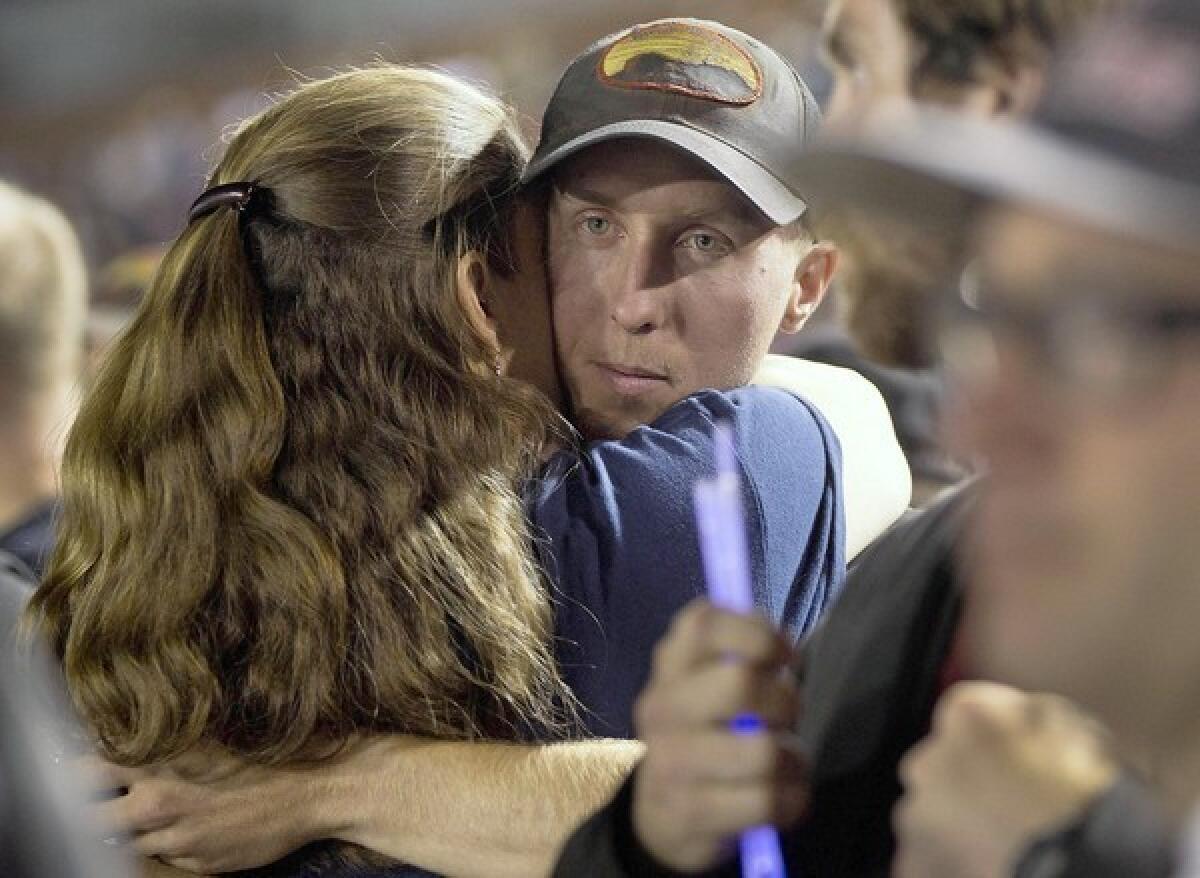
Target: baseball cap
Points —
{"points": [[1114, 141], [712, 91]]}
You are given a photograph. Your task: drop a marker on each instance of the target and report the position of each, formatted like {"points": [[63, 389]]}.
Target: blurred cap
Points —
{"points": [[712, 91], [1115, 140]]}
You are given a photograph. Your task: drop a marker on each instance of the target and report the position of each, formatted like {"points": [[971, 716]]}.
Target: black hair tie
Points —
{"points": [[239, 196]]}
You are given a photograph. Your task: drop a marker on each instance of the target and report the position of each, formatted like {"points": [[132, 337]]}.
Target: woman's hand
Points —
{"points": [[210, 812]]}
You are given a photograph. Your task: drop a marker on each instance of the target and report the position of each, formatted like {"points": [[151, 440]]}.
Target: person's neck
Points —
{"points": [[28, 465]]}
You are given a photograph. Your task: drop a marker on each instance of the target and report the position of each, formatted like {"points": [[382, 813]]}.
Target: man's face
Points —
{"points": [[1086, 561], [666, 280]]}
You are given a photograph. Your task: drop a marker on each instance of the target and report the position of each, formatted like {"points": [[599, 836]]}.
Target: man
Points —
{"points": [[978, 56], [871, 674], [43, 303], [671, 274], [1083, 571]]}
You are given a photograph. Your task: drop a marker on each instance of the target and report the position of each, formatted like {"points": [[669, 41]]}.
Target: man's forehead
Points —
{"points": [[639, 172]]}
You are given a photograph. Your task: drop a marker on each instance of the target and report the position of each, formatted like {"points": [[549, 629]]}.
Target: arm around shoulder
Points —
{"points": [[479, 809]]}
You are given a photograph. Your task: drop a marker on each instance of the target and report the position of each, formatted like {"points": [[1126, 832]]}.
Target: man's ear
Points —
{"points": [[813, 276], [1004, 88], [1020, 90], [471, 287]]}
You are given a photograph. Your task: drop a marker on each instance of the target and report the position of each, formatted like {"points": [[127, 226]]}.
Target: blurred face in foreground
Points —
{"points": [[666, 280], [1084, 397]]}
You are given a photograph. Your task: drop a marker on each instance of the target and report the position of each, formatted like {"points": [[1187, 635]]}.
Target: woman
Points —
{"points": [[291, 509]]}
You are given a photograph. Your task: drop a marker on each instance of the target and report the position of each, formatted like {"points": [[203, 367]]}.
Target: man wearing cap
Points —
{"points": [[1079, 362], [677, 251], [672, 272]]}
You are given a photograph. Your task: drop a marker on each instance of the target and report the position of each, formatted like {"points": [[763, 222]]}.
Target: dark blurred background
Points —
{"points": [[115, 109]]}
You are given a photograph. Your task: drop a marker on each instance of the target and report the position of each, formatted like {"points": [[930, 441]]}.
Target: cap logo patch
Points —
{"points": [[683, 59]]}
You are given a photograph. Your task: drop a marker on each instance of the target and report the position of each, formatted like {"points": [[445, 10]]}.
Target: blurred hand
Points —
{"points": [[209, 812], [700, 784], [1000, 768]]}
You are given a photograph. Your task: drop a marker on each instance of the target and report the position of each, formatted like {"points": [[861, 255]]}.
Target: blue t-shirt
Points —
{"points": [[619, 536]]}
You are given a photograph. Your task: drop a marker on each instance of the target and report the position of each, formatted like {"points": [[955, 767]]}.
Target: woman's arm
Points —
{"points": [[458, 809], [876, 481]]}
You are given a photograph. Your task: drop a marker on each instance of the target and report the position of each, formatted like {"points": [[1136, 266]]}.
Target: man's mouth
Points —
{"points": [[631, 380]]}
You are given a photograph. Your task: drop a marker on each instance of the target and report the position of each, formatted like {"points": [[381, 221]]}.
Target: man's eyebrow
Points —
{"points": [[732, 208], [740, 213], [579, 193]]}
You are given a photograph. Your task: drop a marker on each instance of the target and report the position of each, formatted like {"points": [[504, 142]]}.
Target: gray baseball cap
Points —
{"points": [[714, 92], [1115, 140]]}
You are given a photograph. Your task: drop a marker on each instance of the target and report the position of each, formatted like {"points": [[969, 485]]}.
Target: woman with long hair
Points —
{"points": [[290, 504]]}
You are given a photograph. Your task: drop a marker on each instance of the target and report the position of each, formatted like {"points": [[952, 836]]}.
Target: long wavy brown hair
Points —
{"points": [[290, 501]]}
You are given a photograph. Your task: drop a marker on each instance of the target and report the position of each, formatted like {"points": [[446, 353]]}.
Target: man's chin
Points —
{"points": [[601, 426], [616, 421]]}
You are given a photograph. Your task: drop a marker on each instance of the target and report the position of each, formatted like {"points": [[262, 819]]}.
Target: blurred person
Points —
{"points": [[985, 57], [43, 303], [42, 817], [861, 762], [1080, 365], [513, 771]]}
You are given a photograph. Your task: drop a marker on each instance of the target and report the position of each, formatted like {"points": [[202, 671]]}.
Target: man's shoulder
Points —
{"points": [[786, 449], [776, 430], [778, 416]]}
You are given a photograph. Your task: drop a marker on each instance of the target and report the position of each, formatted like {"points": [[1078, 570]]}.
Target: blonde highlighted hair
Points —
{"points": [[290, 501], [43, 298]]}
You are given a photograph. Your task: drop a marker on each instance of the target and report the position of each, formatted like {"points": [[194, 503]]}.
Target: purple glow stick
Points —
{"points": [[722, 528]]}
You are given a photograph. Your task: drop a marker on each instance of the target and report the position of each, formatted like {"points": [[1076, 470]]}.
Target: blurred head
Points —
{"points": [[43, 307], [983, 56], [1074, 339], [980, 56], [291, 508], [1081, 364], [676, 235]]}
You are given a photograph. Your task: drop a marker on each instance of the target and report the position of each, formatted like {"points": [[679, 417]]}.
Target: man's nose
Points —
{"points": [[639, 296]]}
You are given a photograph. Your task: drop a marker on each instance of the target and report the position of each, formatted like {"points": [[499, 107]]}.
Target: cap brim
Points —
{"points": [[936, 167], [758, 184]]}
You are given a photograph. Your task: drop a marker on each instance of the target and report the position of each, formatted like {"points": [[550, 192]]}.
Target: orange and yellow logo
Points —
{"points": [[683, 58]]}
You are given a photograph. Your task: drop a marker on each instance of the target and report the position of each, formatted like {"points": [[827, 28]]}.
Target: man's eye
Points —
{"points": [[597, 225], [705, 242]]}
